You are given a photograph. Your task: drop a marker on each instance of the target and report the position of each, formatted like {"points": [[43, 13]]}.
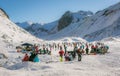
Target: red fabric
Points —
{"points": [[92, 46], [26, 58], [86, 46], [36, 48], [61, 52]]}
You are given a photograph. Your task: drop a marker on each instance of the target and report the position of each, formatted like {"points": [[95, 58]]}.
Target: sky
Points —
{"points": [[46, 11]]}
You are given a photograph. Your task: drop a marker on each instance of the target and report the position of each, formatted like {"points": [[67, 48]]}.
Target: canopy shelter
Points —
{"points": [[26, 44]]}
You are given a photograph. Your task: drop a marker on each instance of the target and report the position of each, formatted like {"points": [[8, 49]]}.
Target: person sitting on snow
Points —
{"points": [[70, 56], [67, 56], [26, 57], [36, 59], [32, 56]]}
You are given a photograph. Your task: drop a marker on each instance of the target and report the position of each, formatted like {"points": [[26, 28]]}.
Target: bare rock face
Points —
{"points": [[70, 17], [65, 20]]}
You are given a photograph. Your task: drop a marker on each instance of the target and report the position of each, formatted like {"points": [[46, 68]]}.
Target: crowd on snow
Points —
{"points": [[78, 50]]}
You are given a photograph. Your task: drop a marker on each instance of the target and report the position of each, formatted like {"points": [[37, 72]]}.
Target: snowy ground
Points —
{"points": [[91, 65]]}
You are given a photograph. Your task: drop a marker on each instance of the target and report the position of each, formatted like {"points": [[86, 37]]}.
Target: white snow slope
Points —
{"points": [[11, 34]]}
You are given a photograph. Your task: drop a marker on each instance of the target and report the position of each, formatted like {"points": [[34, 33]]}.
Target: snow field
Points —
{"points": [[91, 65]]}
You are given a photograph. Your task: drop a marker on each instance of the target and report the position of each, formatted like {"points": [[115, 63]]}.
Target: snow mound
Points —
{"points": [[111, 39], [73, 39]]}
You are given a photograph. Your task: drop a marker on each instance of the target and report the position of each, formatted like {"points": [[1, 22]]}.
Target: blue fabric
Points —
{"points": [[36, 59], [82, 47], [71, 58], [24, 51], [107, 47]]}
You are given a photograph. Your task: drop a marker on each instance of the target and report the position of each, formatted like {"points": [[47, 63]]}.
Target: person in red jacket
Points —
{"points": [[26, 57], [61, 53]]}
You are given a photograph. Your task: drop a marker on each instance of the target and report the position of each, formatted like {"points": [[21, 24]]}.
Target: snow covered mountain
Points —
{"points": [[38, 29], [10, 33], [103, 24], [35, 29], [70, 17], [24, 24], [107, 24], [53, 27], [84, 24]]}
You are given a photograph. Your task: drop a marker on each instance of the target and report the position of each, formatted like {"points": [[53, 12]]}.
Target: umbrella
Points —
{"points": [[27, 44]]}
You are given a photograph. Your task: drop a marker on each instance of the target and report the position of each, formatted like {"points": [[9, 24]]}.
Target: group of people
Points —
{"points": [[70, 55], [82, 49], [76, 50], [33, 57]]}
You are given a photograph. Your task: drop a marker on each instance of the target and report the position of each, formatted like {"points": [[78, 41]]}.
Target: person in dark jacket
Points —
{"points": [[75, 51], [32, 56], [79, 53], [65, 48], [87, 49]]}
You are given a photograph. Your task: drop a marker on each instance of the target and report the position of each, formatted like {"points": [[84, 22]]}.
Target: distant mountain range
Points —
{"points": [[56, 26], [84, 24]]}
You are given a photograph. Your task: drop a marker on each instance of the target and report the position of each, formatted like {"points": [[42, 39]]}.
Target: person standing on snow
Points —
{"points": [[61, 53], [87, 49], [79, 53], [65, 48], [75, 51]]}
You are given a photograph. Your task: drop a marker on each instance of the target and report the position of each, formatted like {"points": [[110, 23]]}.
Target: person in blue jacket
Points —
{"points": [[36, 59]]}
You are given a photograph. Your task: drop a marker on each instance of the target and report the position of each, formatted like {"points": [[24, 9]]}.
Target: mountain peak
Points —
{"points": [[3, 13]]}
